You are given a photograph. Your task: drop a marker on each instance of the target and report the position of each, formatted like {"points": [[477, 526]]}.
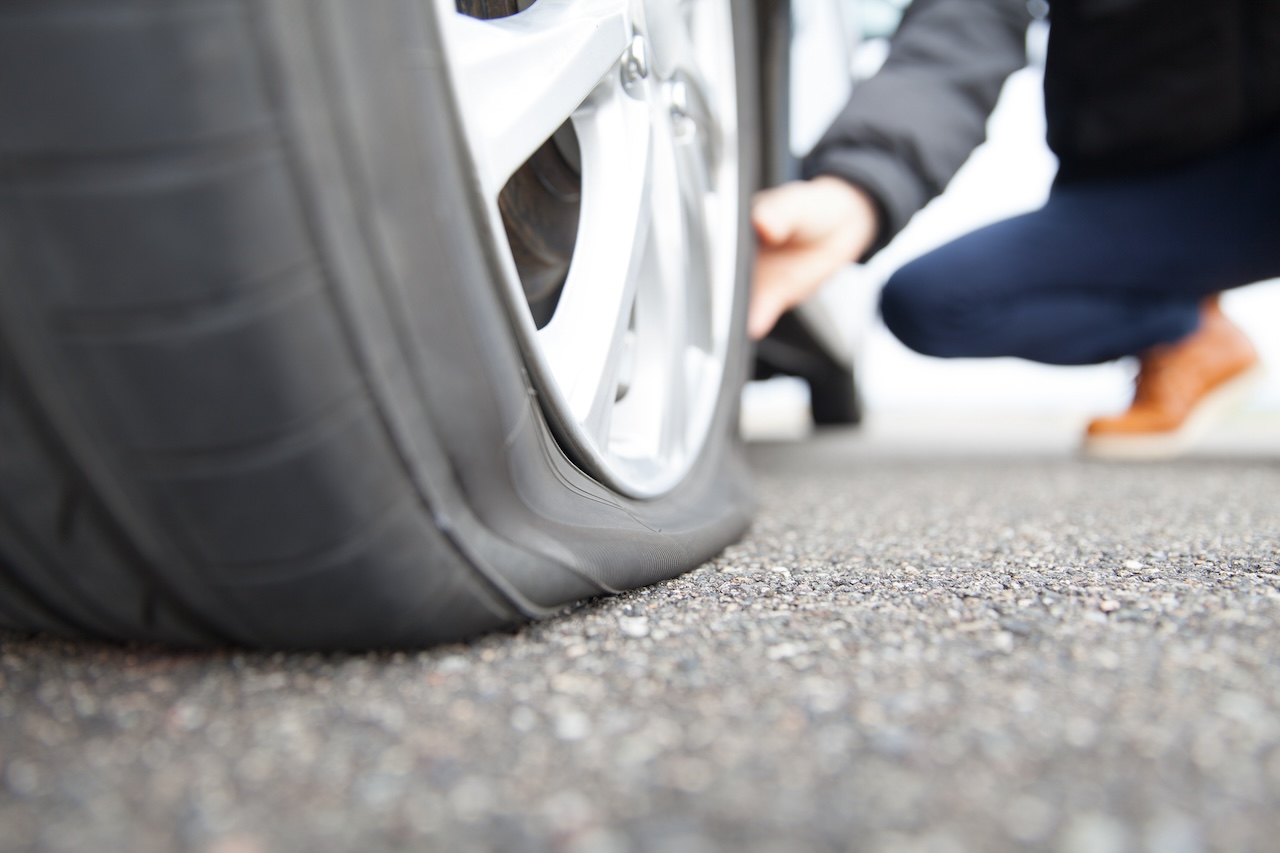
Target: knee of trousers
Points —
{"points": [[920, 310]]}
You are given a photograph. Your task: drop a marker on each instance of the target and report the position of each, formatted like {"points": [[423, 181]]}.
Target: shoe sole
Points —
{"points": [[1174, 443]]}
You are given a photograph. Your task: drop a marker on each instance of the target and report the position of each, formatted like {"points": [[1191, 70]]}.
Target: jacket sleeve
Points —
{"points": [[906, 131]]}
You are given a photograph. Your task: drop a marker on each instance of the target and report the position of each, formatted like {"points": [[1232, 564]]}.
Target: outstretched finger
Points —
{"points": [[766, 307]]}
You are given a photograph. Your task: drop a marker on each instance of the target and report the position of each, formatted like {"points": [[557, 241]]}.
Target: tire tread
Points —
{"points": [[213, 375]]}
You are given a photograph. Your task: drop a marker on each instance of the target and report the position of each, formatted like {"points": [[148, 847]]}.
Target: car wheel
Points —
{"points": [[338, 324]]}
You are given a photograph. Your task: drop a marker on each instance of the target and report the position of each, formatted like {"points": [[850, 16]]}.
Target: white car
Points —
{"points": [[357, 323]]}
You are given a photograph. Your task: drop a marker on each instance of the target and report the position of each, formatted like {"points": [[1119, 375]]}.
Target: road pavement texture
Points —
{"points": [[909, 652]]}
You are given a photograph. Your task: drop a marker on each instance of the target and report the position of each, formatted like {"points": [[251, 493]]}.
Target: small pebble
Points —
{"points": [[635, 627]]}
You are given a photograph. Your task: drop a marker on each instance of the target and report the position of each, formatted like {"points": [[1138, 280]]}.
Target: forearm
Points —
{"points": [[907, 130]]}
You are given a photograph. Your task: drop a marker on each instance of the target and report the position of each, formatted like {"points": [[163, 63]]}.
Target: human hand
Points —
{"points": [[808, 230]]}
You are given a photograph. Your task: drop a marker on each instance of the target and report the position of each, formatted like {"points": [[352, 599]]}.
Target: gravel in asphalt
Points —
{"points": [[935, 653]]}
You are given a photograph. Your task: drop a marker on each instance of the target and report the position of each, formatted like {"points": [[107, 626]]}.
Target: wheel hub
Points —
{"points": [[604, 137]]}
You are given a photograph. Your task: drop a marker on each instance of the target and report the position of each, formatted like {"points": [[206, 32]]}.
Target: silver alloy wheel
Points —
{"points": [[630, 365]]}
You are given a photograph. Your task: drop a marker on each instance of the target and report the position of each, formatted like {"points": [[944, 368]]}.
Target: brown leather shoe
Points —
{"points": [[1181, 389]]}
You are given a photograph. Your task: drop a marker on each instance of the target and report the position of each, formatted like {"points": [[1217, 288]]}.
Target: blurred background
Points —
{"points": [[1009, 174]]}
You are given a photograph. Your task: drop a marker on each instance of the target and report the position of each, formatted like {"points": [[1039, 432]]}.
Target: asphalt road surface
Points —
{"points": [[987, 648]]}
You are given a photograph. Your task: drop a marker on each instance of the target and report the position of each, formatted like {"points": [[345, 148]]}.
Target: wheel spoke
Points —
{"points": [[650, 421], [583, 342], [668, 31], [701, 218], [519, 78]]}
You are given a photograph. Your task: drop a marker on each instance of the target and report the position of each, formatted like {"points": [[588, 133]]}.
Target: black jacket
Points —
{"points": [[1130, 86]]}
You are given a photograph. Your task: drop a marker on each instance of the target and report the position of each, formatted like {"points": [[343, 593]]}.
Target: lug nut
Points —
{"points": [[635, 62], [679, 99]]}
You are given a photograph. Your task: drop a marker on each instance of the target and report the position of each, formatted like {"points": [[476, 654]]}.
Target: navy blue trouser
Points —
{"points": [[1105, 269]]}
